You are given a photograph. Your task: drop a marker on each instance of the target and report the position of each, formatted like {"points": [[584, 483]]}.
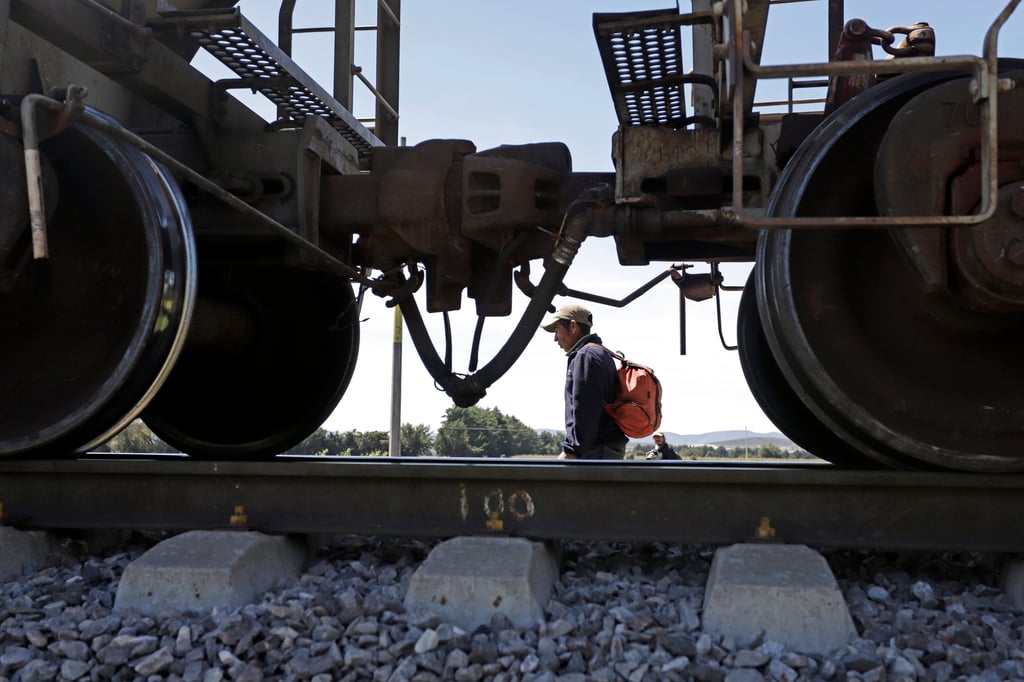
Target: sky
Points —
{"points": [[529, 71]]}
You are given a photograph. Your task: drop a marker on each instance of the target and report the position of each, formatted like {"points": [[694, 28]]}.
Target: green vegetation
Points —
{"points": [[465, 432], [136, 437], [638, 451], [478, 432]]}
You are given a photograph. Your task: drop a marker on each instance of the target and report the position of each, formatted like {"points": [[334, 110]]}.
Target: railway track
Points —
{"points": [[715, 503]]}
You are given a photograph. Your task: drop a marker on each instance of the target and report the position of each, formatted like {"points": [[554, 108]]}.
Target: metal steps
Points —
{"points": [[643, 62], [262, 66]]}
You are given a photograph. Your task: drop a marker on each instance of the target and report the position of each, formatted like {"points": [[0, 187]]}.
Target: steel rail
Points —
{"points": [[550, 499]]}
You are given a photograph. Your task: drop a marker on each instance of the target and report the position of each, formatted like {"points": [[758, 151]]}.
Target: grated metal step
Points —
{"points": [[264, 67], [643, 63]]}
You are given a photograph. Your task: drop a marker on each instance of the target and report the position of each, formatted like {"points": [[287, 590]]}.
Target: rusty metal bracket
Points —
{"points": [[319, 144], [67, 112], [716, 277], [467, 390], [621, 302]]}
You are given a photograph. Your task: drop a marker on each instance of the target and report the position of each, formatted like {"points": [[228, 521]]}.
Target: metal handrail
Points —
{"points": [[984, 89]]}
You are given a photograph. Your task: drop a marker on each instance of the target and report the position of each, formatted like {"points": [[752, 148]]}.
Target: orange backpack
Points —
{"points": [[636, 408]]}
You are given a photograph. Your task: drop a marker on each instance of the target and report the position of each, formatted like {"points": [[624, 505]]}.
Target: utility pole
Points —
{"points": [[395, 442]]}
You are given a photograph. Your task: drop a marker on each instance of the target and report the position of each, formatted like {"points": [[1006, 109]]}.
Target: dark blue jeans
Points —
{"points": [[604, 451]]}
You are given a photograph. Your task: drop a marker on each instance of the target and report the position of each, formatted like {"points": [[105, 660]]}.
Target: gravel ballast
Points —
{"points": [[618, 612]]}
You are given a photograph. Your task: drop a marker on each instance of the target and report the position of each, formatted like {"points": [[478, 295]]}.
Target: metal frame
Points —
{"points": [[985, 87], [384, 86]]}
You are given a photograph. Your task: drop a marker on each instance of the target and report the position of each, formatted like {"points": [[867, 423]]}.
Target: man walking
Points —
{"points": [[590, 382]]}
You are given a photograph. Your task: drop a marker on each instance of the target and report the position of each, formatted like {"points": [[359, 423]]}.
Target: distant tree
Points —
{"points": [[416, 440], [764, 451], [769, 451], [321, 442], [464, 432], [686, 452], [347, 443], [550, 442], [373, 443], [351, 442], [480, 432], [520, 439], [136, 437]]}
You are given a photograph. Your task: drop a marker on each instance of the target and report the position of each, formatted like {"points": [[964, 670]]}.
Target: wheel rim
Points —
{"points": [[886, 364], [272, 385], [90, 333], [777, 399]]}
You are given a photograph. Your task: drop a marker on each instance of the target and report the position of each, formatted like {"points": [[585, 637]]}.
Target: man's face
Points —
{"points": [[658, 440], [567, 333]]}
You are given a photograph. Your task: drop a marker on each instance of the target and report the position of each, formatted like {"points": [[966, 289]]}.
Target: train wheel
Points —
{"points": [[89, 334], [909, 372], [777, 398], [271, 353]]}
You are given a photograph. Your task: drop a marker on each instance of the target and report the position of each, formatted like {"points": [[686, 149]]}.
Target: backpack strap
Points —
{"points": [[618, 356], [622, 358]]}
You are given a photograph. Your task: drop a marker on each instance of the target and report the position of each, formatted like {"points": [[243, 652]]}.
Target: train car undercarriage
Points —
{"points": [[152, 264]]}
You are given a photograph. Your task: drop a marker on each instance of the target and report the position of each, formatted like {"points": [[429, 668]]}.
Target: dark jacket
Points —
{"points": [[663, 451], [590, 382]]}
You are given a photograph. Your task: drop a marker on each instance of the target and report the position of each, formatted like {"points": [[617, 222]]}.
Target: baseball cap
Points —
{"points": [[570, 311]]}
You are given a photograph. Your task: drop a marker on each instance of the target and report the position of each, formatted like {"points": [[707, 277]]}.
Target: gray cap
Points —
{"points": [[570, 311]]}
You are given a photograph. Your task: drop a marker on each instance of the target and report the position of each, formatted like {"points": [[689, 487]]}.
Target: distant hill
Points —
{"points": [[729, 439], [762, 439]]}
